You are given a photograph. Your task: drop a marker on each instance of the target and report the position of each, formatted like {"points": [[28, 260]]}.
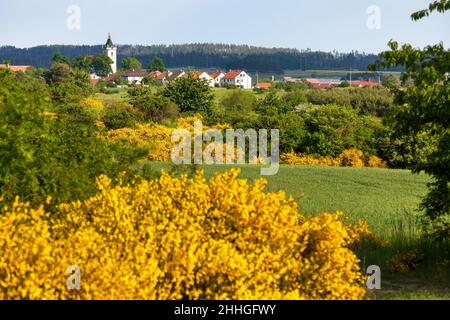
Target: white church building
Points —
{"points": [[111, 52]]}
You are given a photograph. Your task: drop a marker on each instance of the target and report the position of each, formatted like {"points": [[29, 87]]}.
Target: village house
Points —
{"points": [[238, 78], [217, 77], [134, 76], [205, 76], [176, 74]]}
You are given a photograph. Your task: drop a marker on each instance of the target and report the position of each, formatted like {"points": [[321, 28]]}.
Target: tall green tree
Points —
{"points": [[102, 65], [192, 95], [157, 64], [423, 104], [131, 64], [83, 63]]}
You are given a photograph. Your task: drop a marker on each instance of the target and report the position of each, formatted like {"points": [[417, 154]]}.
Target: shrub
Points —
{"points": [[349, 158], [405, 261], [352, 158], [376, 162], [121, 115], [333, 129], [154, 107], [178, 239]]}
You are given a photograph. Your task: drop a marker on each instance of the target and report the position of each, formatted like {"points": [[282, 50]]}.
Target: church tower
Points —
{"points": [[111, 52]]}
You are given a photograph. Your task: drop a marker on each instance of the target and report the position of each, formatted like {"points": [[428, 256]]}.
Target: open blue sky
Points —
{"points": [[315, 24]]}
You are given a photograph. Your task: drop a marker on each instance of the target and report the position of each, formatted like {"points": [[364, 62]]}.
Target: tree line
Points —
{"points": [[252, 59]]}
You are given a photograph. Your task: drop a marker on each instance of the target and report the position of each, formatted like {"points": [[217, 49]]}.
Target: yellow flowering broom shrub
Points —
{"points": [[352, 158], [93, 103], [376, 162], [348, 158], [157, 138], [178, 238]]}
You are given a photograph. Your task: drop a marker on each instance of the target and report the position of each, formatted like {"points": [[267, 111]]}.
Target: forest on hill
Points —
{"points": [[252, 59]]}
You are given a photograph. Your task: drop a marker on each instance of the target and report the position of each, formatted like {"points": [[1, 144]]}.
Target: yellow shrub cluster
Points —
{"points": [[293, 158], [93, 103], [178, 238], [157, 138], [405, 261], [376, 162], [352, 158], [348, 158], [365, 236]]}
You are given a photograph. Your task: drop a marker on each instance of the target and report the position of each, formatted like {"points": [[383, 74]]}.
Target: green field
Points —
{"points": [[122, 96], [381, 196]]}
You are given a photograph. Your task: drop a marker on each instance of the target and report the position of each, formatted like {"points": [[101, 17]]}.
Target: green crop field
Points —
{"points": [[381, 196]]}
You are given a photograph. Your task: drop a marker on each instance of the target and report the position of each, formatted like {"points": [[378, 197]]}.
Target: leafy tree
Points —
{"points": [[67, 84], [6, 61], [424, 105], [153, 106], [295, 98], [102, 65], [391, 82], [131, 64], [192, 95], [334, 128], [157, 64], [83, 62], [439, 6], [59, 58]]}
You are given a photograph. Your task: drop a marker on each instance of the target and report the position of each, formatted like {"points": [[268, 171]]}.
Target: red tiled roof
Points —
{"points": [[162, 76], [112, 77], [15, 68], [136, 73], [312, 80], [197, 74], [215, 74], [264, 85], [232, 74]]}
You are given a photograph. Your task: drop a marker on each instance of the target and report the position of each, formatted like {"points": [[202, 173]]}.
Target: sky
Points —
{"points": [[342, 25]]}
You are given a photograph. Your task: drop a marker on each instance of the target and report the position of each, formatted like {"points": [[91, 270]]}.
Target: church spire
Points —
{"points": [[109, 43]]}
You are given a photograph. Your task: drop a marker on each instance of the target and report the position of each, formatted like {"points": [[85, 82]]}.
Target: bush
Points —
{"points": [[173, 239], [352, 158], [121, 115], [368, 100], [154, 107], [333, 129], [349, 158]]}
